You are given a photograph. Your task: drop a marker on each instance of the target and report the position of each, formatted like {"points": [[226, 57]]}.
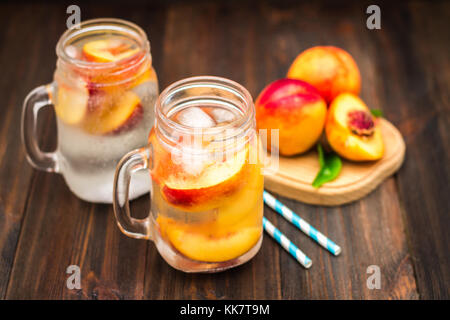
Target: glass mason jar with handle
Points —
{"points": [[103, 94], [203, 158]]}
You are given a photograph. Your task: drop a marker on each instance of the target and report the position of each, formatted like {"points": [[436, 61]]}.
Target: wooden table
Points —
{"points": [[402, 226]]}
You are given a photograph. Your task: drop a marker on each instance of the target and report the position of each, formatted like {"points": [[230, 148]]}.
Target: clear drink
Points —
{"points": [[104, 93]]}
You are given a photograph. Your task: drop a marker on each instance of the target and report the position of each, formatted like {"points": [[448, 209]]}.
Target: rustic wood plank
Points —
{"points": [[22, 70], [404, 71], [417, 99]]}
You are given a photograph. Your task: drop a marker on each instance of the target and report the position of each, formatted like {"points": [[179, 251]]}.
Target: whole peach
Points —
{"points": [[296, 109], [330, 69]]}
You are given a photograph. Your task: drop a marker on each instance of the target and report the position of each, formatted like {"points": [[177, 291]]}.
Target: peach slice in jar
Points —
{"points": [[122, 51], [162, 166], [113, 113], [203, 191], [243, 208], [148, 74], [71, 103], [202, 246], [108, 50]]}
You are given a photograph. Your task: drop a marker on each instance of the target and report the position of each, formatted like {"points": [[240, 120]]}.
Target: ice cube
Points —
{"points": [[196, 118], [222, 115], [72, 51], [191, 158], [193, 164], [192, 161]]}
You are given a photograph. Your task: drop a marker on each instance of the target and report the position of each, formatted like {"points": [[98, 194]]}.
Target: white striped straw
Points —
{"points": [[286, 243], [301, 224]]}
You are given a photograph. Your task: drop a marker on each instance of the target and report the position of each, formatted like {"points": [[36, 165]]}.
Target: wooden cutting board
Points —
{"points": [[295, 174]]}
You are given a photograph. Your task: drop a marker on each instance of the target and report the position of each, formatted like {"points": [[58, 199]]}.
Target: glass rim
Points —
{"points": [[214, 81], [100, 24]]}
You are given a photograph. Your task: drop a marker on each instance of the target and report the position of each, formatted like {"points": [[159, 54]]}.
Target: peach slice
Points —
{"points": [[71, 104], [148, 75], [163, 166], [119, 112], [352, 131], [240, 210], [109, 50], [216, 180], [204, 247], [244, 208]]}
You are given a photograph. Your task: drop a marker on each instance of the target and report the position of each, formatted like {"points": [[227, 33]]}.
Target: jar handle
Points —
{"points": [[132, 162], [38, 98]]}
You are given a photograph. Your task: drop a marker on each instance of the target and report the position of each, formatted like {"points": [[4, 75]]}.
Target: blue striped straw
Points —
{"points": [[286, 243], [301, 224]]}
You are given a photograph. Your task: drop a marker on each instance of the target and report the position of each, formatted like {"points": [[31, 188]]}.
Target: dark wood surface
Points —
{"points": [[402, 226]]}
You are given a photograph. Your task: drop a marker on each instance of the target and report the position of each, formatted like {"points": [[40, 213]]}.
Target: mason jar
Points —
{"points": [[203, 158], [103, 93]]}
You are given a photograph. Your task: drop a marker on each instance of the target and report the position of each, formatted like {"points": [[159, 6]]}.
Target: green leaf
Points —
{"points": [[330, 167], [377, 113], [321, 155]]}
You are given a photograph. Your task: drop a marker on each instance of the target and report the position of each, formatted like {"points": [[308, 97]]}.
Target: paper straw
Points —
{"points": [[301, 224], [286, 243]]}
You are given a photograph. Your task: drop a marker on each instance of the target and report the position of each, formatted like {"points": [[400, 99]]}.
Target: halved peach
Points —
{"points": [[108, 50], [201, 192], [71, 103], [202, 246], [118, 112], [352, 131]]}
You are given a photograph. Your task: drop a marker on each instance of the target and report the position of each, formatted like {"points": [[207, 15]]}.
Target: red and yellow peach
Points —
{"points": [[330, 70], [296, 109]]}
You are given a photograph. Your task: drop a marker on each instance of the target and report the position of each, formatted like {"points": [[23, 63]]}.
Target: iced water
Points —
{"points": [[88, 161]]}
